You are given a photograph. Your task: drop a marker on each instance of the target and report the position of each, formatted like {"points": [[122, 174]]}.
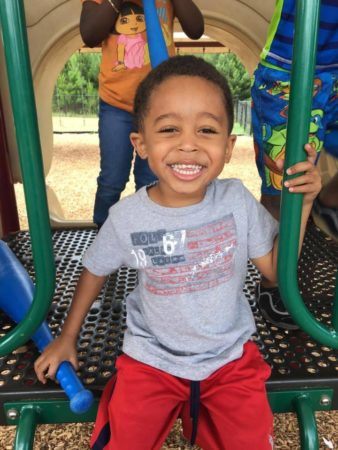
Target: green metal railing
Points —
{"points": [[304, 57], [14, 37]]}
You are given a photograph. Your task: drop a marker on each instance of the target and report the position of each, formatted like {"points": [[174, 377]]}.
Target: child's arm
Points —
{"points": [[309, 184], [97, 20], [63, 348], [190, 18]]}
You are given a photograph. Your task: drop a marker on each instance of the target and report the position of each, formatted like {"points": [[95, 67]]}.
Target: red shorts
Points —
{"points": [[140, 405]]}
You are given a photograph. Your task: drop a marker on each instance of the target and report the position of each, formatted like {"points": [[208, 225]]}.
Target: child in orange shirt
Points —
{"points": [[120, 27]]}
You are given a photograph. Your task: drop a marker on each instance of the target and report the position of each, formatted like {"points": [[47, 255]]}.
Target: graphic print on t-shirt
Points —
{"points": [[132, 47], [189, 260]]}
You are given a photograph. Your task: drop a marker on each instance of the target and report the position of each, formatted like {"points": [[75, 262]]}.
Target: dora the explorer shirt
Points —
{"points": [[125, 55], [188, 316]]}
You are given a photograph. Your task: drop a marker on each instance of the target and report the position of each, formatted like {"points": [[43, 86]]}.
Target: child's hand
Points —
{"points": [[309, 183], [61, 349]]}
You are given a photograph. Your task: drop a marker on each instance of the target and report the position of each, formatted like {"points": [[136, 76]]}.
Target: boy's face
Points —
{"points": [[185, 139]]}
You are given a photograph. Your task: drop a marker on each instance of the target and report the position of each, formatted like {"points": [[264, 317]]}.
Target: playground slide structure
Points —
{"points": [[291, 396], [53, 36]]}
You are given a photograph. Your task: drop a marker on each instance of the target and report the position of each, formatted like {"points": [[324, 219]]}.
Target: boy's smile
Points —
{"points": [[187, 171], [185, 138]]}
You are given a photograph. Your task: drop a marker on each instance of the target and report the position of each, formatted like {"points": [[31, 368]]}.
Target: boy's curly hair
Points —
{"points": [[180, 66]]}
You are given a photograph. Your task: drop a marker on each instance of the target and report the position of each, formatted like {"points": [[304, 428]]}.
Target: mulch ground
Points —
{"points": [[73, 178]]}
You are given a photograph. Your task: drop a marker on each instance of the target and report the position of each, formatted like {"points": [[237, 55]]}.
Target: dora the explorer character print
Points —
{"points": [[132, 47], [126, 50]]}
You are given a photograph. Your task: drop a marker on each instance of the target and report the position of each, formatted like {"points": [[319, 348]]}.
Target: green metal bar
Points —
{"points": [[283, 401], [25, 431], [335, 308], [50, 411], [57, 410], [14, 37], [304, 57], [307, 423]]}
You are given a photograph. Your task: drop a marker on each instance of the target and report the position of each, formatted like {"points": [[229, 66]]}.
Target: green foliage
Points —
{"points": [[233, 70], [77, 85], [76, 90]]}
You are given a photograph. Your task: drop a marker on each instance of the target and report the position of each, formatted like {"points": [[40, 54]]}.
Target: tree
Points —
{"points": [[231, 67], [76, 90]]}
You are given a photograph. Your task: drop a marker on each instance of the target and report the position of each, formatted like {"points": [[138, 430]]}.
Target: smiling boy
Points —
{"points": [[187, 349]]}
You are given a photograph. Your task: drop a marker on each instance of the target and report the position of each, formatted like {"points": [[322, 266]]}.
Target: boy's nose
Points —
{"points": [[188, 144], [188, 148]]}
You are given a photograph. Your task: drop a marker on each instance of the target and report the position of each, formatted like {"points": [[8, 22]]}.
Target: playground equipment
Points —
{"points": [[53, 33], [16, 295], [304, 375], [157, 47]]}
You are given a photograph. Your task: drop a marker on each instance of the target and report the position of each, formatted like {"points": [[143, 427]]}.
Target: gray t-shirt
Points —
{"points": [[188, 315]]}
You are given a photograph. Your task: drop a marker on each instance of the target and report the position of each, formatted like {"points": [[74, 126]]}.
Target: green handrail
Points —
{"points": [[335, 310], [304, 57], [14, 37]]}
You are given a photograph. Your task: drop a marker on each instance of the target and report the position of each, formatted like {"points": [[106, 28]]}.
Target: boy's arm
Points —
{"points": [[63, 348], [309, 184], [97, 20], [190, 18]]}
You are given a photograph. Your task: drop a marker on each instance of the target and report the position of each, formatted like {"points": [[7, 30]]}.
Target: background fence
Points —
{"points": [[242, 110], [79, 114]]}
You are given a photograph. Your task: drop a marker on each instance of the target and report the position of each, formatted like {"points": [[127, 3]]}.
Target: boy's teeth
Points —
{"points": [[186, 169]]}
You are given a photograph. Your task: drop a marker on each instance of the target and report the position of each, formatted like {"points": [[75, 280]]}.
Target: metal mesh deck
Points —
{"points": [[297, 360]]}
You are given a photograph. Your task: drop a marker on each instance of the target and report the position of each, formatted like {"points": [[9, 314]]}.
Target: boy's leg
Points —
{"points": [[326, 205], [234, 411], [325, 208], [270, 94], [116, 153], [270, 100], [139, 408], [329, 194], [270, 104]]}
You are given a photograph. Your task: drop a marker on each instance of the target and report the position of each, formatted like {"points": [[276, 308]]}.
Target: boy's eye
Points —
{"points": [[208, 130], [168, 130]]}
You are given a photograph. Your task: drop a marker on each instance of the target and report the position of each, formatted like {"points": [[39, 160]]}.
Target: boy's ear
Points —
{"points": [[229, 147], [137, 141]]}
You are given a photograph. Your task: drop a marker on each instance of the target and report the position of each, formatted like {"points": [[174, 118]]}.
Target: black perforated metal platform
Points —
{"points": [[297, 360]]}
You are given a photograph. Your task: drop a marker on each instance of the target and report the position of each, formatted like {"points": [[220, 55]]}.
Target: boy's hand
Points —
{"points": [[309, 183], [61, 349]]}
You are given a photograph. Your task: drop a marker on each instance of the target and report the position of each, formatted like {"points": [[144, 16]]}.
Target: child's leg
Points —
{"points": [[270, 92], [116, 153], [235, 413], [139, 408], [329, 194], [142, 173]]}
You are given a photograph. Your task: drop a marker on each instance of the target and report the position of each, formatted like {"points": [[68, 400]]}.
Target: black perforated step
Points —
{"points": [[297, 360]]}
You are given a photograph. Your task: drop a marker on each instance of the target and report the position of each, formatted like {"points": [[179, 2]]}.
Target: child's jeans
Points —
{"points": [[140, 404], [115, 126]]}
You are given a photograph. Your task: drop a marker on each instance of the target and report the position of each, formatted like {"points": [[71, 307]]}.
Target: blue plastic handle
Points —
{"points": [[16, 296], [81, 399], [157, 47]]}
